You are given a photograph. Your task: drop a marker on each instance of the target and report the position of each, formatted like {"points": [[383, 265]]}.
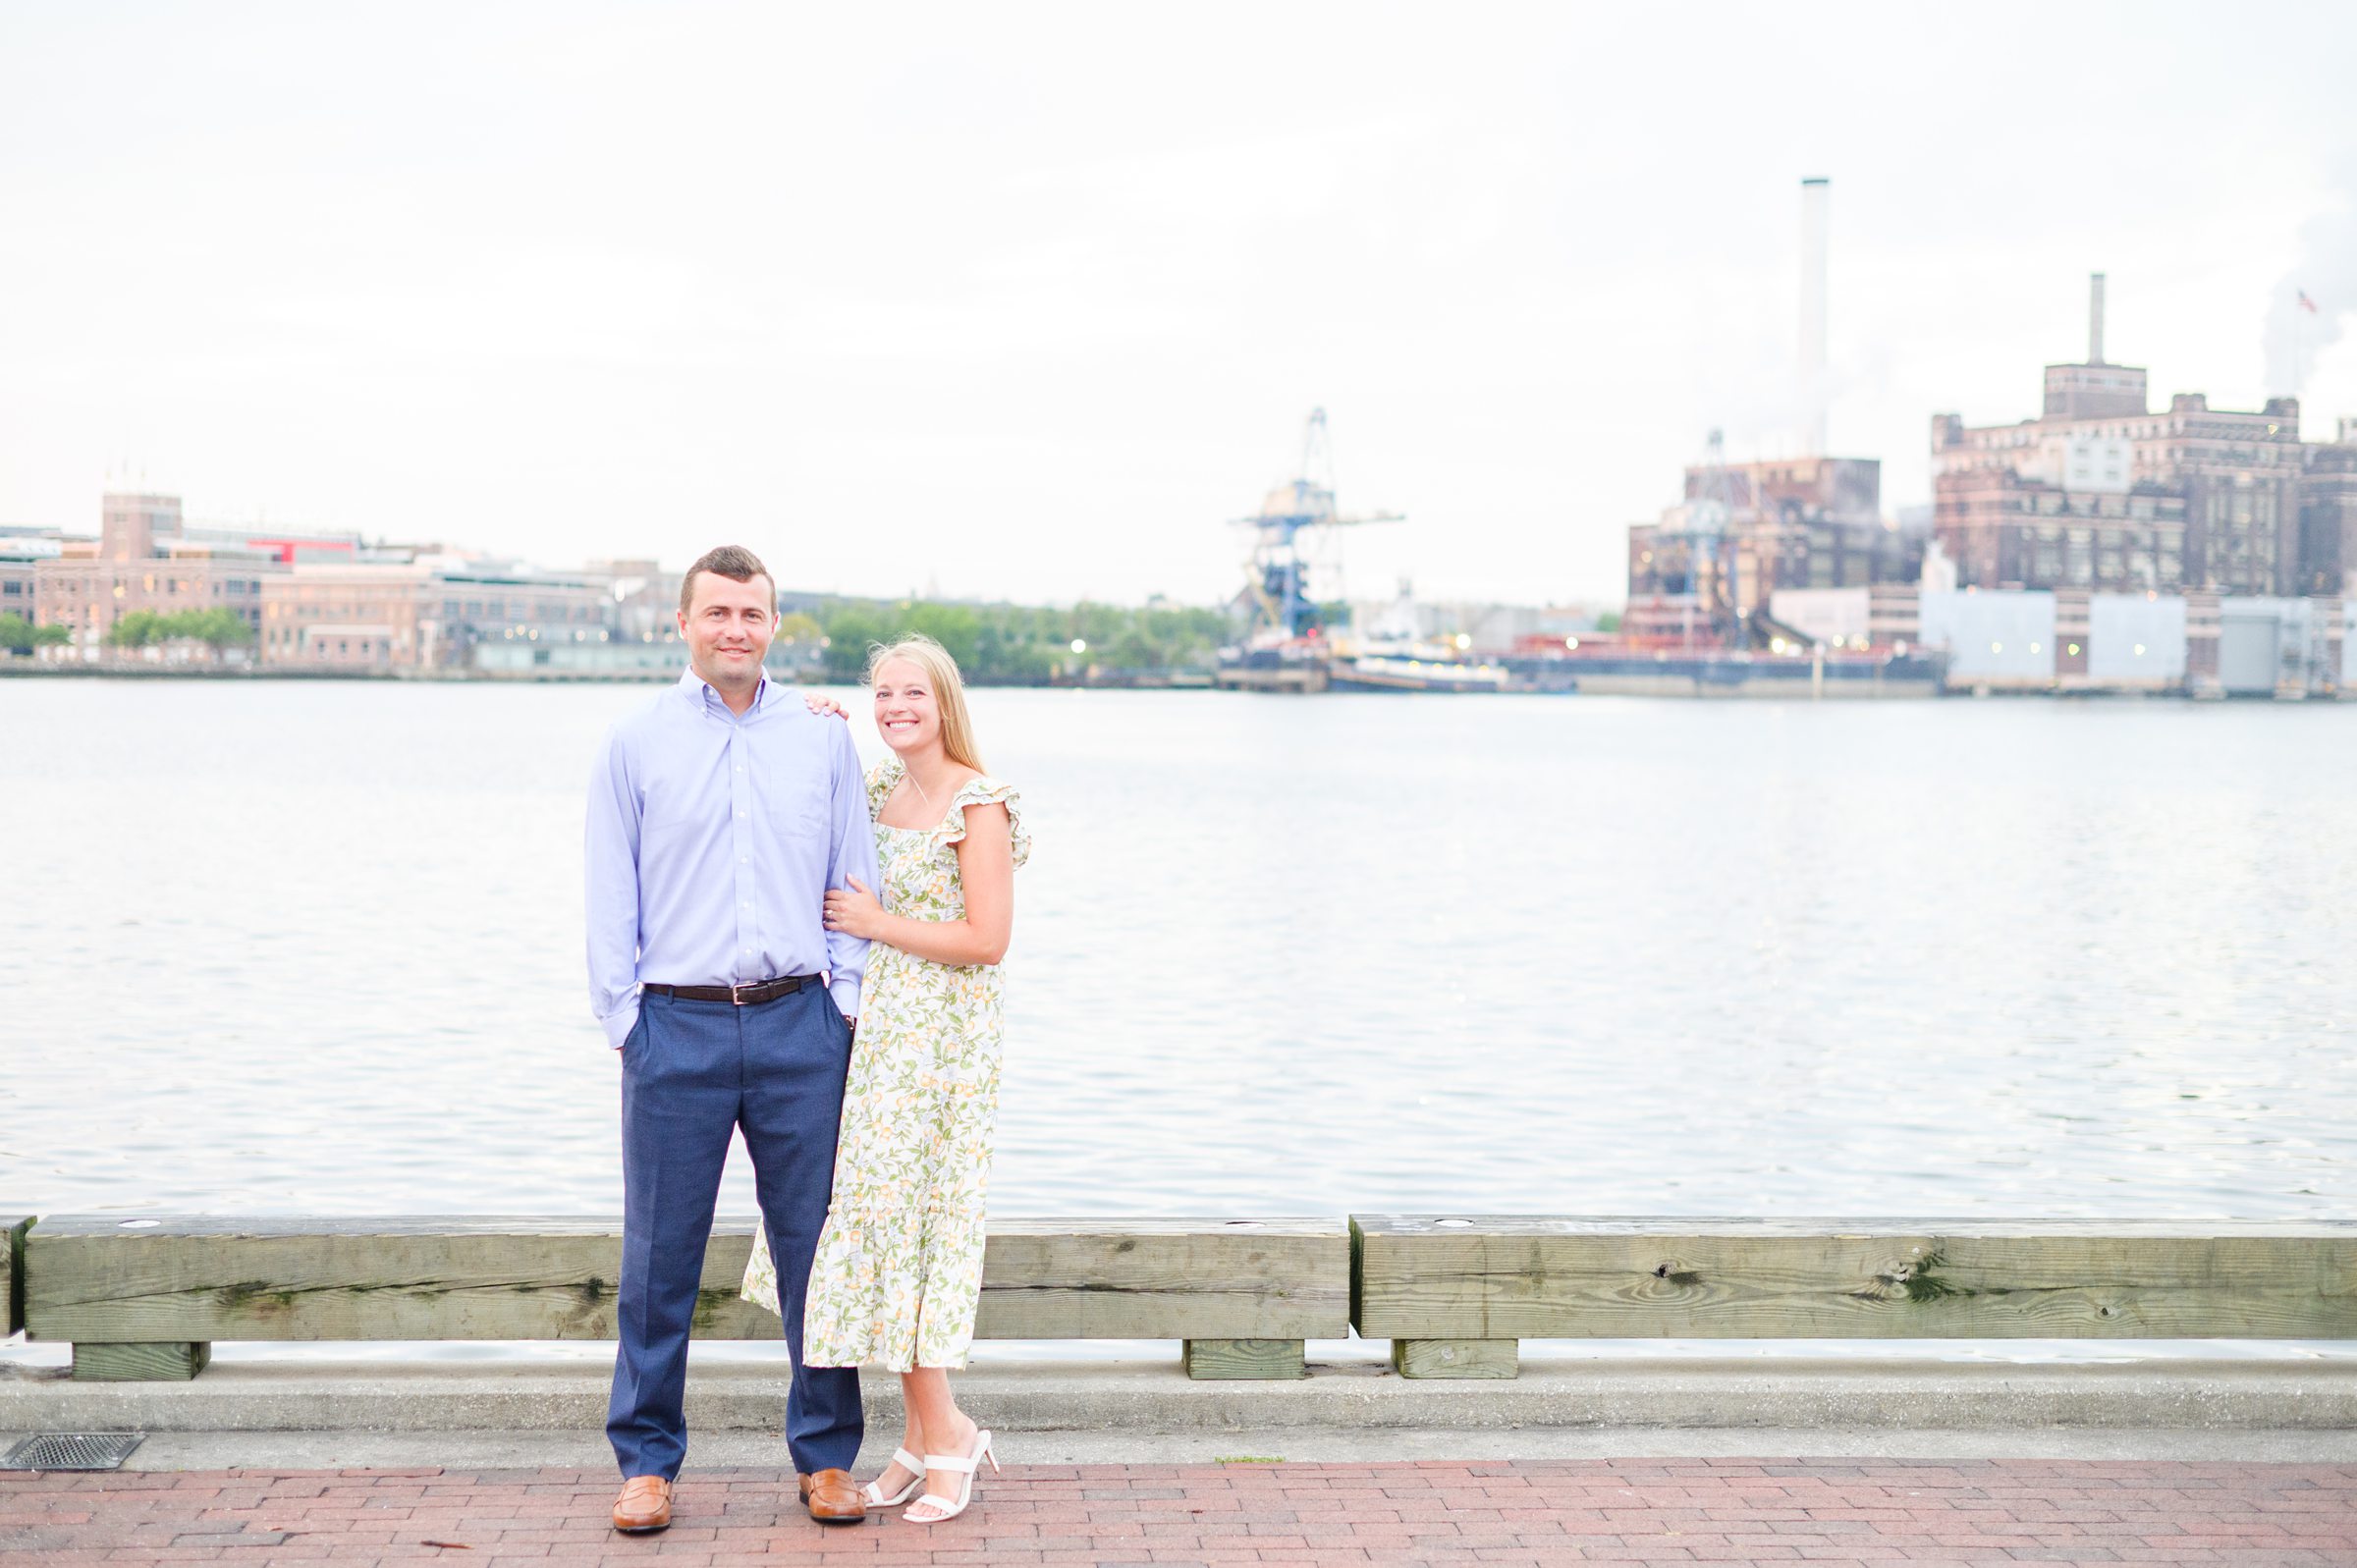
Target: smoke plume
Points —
{"points": [[2326, 273]]}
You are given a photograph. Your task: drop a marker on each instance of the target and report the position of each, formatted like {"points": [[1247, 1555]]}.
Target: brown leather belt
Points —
{"points": [[744, 996]]}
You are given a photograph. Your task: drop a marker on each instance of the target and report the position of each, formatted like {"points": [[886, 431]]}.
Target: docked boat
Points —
{"points": [[1298, 664], [1400, 671]]}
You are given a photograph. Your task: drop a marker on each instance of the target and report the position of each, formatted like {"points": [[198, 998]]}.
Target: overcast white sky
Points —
{"points": [[1025, 301]]}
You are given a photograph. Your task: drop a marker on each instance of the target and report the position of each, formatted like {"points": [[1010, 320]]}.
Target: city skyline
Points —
{"points": [[995, 309]]}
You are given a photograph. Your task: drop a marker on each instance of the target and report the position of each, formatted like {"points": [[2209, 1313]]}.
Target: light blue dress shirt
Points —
{"points": [[712, 842]]}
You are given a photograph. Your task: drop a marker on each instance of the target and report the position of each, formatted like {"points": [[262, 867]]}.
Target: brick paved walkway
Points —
{"points": [[1540, 1513]]}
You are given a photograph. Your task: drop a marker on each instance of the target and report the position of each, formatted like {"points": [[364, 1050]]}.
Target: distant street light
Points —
{"points": [[1079, 645]]}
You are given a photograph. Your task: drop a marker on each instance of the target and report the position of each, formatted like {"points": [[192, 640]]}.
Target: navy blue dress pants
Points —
{"points": [[692, 1073]]}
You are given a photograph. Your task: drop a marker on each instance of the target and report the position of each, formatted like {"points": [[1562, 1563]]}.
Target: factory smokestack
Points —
{"points": [[1813, 194], [2095, 318]]}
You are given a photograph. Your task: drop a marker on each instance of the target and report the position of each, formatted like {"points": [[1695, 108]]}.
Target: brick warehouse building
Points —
{"points": [[313, 599], [421, 613], [2329, 515], [142, 561], [2102, 492]]}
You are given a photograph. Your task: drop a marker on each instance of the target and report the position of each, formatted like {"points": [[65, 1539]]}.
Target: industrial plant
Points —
{"points": [[2101, 545]]}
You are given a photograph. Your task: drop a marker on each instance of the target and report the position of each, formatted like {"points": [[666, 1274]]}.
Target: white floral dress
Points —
{"points": [[899, 1269]]}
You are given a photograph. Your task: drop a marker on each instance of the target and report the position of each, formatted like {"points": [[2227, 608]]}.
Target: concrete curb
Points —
{"points": [[586, 1451], [1820, 1394]]}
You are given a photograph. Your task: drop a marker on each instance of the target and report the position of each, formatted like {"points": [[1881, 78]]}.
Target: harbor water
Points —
{"points": [[315, 947]]}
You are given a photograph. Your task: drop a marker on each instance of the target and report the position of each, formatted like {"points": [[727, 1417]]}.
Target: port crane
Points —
{"points": [[1278, 582], [1705, 523], [1705, 526]]}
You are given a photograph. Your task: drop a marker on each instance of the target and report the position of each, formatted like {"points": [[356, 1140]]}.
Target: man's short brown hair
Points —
{"points": [[733, 562]]}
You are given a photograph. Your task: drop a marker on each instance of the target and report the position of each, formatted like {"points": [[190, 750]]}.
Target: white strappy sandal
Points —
{"points": [[873, 1493], [971, 1464]]}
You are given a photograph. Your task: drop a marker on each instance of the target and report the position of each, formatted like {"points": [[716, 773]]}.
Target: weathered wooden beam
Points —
{"points": [[186, 1279], [1514, 1277], [1457, 1358], [1166, 1280], [12, 1272], [469, 1278], [1245, 1358], [175, 1362]]}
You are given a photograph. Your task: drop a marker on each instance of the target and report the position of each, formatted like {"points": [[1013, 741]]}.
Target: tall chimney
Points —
{"points": [[1813, 194], [2095, 318]]}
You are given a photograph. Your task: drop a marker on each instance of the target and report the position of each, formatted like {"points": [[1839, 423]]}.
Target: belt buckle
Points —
{"points": [[737, 994]]}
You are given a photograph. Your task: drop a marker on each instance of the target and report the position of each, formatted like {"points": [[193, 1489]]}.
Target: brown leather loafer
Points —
{"points": [[832, 1498], [645, 1505]]}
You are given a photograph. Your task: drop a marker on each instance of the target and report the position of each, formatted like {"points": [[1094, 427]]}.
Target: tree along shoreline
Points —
{"points": [[1017, 644], [1006, 645]]}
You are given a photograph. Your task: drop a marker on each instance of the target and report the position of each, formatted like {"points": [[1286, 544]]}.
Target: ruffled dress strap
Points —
{"points": [[984, 790], [882, 780]]}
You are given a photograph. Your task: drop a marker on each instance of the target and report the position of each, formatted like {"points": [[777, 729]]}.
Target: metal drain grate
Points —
{"points": [[73, 1451]]}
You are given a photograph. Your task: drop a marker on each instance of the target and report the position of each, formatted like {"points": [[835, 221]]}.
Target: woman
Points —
{"points": [[899, 1269]]}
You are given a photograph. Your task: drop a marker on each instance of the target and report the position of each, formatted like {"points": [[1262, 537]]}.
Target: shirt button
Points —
{"points": [[740, 813]]}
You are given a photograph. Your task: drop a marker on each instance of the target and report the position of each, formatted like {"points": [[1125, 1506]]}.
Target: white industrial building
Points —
{"points": [[2136, 641], [1998, 640]]}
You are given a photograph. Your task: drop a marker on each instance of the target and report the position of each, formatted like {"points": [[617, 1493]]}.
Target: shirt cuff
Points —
{"points": [[620, 1022], [847, 996]]}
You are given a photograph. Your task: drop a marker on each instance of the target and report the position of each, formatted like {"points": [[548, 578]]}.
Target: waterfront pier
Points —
{"points": [[146, 1298], [1255, 1448]]}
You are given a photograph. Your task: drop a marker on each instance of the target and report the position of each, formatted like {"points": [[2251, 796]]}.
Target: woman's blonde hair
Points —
{"points": [[949, 691]]}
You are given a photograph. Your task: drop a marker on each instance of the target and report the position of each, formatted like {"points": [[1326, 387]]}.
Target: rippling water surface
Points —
{"points": [[317, 946]]}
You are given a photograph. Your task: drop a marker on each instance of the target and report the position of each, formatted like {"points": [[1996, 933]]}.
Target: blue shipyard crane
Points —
{"points": [[1278, 584], [1704, 524]]}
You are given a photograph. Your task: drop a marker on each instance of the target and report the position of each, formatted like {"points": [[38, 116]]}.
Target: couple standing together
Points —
{"points": [[780, 947]]}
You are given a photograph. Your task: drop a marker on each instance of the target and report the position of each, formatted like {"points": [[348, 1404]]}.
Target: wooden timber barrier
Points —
{"points": [[1456, 1295], [145, 1298]]}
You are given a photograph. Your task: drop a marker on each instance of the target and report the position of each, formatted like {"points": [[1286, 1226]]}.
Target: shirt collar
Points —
{"points": [[697, 691]]}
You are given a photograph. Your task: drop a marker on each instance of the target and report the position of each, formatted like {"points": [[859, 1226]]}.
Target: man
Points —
{"points": [[719, 817]]}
